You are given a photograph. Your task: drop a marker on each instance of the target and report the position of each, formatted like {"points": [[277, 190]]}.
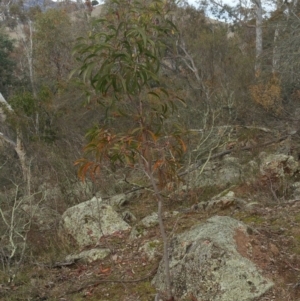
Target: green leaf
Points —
{"points": [[164, 91], [154, 94], [88, 71], [76, 70], [181, 100]]}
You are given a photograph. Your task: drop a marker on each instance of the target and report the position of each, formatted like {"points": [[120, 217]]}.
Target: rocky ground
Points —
{"points": [[127, 273], [268, 206]]}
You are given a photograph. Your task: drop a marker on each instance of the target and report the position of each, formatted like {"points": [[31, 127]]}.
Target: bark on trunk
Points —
{"points": [[18, 145], [258, 28]]}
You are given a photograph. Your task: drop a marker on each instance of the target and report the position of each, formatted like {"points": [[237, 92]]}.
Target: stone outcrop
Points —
{"points": [[227, 172], [206, 264], [223, 200], [277, 165], [87, 222]]}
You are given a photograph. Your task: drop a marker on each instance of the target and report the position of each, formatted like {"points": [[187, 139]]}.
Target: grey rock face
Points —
{"points": [[205, 264], [278, 165], [118, 200], [229, 172], [89, 221]]}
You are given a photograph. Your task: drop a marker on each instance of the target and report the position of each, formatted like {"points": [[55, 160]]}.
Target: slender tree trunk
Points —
{"points": [[259, 41], [20, 150], [18, 145], [147, 158], [164, 238], [275, 59], [28, 46], [30, 58]]}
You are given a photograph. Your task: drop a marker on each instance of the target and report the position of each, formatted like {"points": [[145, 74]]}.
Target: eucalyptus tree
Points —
{"points": [[120, 60]]}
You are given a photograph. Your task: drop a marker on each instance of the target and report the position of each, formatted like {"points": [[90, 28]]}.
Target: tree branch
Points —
{"points": [[8, 140], [231, 13]]}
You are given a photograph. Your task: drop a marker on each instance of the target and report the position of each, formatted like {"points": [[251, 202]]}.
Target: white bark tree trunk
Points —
{"points": [[17, 145], [275, 59], [28, 46], [259, 38], [276, 54]]}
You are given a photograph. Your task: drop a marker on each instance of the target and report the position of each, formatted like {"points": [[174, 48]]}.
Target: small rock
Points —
{"points": [[274, 250], [149, 248], [150, 220], [89, 255], [118, 200]]}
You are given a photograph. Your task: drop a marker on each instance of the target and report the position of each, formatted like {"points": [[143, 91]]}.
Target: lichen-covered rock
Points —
{"points": [[222, 200], [89, 221], [118, 200], [227, 172], [147, 222], [205, 264], [278, 165], [250, 171], [89, 255], [128, 216], [230, 172], [150, 220], [150, 248]]}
